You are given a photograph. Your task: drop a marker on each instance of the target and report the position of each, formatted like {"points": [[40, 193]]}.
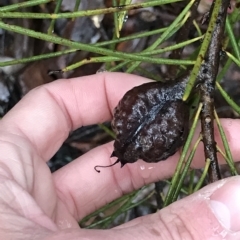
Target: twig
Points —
{"points": [[207, 78]]}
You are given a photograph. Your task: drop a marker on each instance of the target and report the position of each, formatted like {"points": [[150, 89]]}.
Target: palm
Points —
{"points": [[30, 134], [37, 136]]}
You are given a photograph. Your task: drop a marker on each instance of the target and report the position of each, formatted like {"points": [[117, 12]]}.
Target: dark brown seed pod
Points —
{"points": [[150, 122]]}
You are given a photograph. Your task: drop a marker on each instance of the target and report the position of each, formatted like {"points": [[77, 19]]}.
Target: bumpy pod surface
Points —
{"points": [[151, 122]]}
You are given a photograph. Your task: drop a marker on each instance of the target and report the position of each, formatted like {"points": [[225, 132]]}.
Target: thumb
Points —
{"points": [[211, 213]]}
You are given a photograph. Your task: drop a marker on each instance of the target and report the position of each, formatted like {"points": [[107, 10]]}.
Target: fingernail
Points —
{"points": [[225, 204]]}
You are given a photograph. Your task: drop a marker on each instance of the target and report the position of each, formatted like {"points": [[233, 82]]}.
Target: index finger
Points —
{"points": [[47, 114]]}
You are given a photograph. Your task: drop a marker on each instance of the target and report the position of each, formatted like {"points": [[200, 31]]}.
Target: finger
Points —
{"points": [[211, 213], [47, 114], [84, 190]]}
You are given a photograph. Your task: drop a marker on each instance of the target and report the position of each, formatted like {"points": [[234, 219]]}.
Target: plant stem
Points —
{"points": [[57, 8], [36, 58], [228, 99], [204, 174], [169, 31], [30, 3], [203, 50], [175, 179], [234, 59], [86, 12], [232, 39], [207, 79], [111, 59], [186, 168], [77, 4], [229, 158], [90, 48]]}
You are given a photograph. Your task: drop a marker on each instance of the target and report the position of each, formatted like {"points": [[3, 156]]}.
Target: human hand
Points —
{"points": [[35, 204]]}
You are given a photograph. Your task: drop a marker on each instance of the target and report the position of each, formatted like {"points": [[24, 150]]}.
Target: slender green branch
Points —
{"points": [[104, 208], [204, 174], [89, 60], [229, 158], [169, 31], [118, 67], [153, 52], [222, 153], [140, 202], [203, 50], [122, 15], [186, 168], [90, 48], [125, 206], [111, 59], [174, 26], [191, 181], [36, 58], [228, 99], [86, 12], [233, 170], [197, 28], [116, 20], [57, 9], [224, 70], [56, 54], [175, 179], [170, 48], [232, 39], [25, 4], [234, 59], [76, 7], [134, 36]]}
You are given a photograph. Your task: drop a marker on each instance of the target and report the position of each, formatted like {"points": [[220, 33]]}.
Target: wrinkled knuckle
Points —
{"points": [[174, 228], [181, 229]]}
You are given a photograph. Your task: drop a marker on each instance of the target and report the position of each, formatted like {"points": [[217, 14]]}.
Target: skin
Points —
{"points": [[35, 204]]}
